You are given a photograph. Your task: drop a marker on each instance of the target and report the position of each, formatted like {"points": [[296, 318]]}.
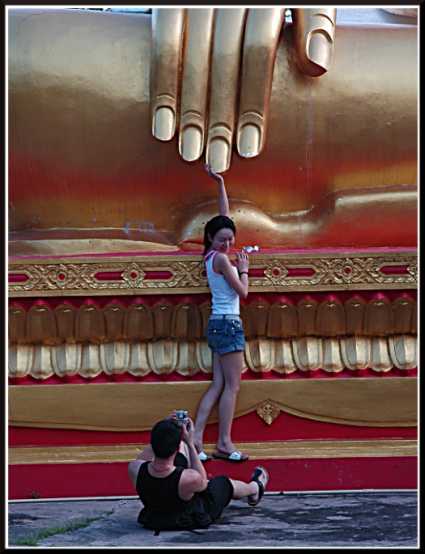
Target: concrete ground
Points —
{"points": [[347, 519]]}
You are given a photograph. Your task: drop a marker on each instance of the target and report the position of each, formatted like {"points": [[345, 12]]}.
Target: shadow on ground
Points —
{"points": [[365, 519]]}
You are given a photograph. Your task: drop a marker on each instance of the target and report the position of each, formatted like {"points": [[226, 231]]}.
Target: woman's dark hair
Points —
{"points": [[213, 226], [165, 437]]}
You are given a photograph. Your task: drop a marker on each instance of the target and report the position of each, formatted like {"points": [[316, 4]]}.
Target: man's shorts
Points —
{"points": [[218, 493], [225, 334]]}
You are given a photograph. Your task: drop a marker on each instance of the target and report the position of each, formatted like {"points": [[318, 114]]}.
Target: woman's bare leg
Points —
{"points": [[231, 367], [184, 449], [208, 401]]}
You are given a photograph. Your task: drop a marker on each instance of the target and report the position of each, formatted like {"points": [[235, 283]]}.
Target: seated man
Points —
{"points": [[173, 485]]}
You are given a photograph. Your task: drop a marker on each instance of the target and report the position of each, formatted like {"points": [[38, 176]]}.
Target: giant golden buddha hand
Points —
{"points": [[338, 168], [212, 72]]}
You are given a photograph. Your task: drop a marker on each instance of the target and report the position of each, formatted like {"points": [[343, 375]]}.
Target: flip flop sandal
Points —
{"points": [[203, 456], [256, 477], [235, 456]]}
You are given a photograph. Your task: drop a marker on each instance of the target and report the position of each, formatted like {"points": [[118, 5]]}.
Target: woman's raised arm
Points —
{"points": [[223, 201]]}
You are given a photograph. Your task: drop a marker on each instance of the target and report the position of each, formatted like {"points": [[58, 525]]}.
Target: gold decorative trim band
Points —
{"points": [[138, 406], [272, 450], [181, 274], [163, 357]]}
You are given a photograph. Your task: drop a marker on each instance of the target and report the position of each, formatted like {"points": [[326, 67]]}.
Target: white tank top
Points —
{"points": [[225, 300]]}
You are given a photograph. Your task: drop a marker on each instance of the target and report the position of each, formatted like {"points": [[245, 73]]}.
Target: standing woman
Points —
{"points": [[225, 334]]}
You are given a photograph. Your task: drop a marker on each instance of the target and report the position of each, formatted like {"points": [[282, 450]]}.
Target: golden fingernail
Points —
{"points": [[218, 155], [249, 141], [319, 49], [164, 123], [191, 144]]}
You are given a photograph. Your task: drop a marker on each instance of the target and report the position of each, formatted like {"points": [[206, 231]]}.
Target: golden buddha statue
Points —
{"points": [[312, 119], [325, 135]]}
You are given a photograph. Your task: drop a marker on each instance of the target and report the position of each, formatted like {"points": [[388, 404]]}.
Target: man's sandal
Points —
{"points": [[252, 501]]}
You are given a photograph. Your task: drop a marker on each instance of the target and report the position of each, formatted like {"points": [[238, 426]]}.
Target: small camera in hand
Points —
{"points": [[182, 415], [250, 249]]}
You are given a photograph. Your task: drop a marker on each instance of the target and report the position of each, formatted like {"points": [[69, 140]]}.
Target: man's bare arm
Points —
{"points": [[194, 479]]}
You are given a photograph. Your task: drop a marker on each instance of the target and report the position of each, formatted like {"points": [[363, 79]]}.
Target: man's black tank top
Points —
{"points": [[160, 494]]}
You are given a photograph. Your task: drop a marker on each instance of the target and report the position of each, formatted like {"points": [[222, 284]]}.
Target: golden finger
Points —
{"points": [[259, 53], [167, 40], [196, 59], [225, 67], [314, 30]]}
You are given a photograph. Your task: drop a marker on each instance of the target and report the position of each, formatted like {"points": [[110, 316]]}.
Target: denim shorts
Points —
{"points": [[226, 335]]}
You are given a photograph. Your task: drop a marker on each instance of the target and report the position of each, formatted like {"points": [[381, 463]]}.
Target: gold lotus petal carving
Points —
{"points": [[139, 363], [379, 317], [308, 353], [203, 356], [139, 323], [67, 359], [42, 367], [41, 324], [403, 311], [90, 361], [114, 357], [257, 313], [332, 359], [162, 356], [90, 324], [307, 309], [355, 308], [283, 320], [330, 318], [17, 324], [20, 360], [283, 357], [187, 321], [114, 315], [355, 352], [65, 315], [187, 358], [259, 354], [402, 350], [162, 314], [380, 355]]}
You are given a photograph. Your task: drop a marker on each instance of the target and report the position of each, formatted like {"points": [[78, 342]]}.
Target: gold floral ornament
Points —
{"points": [[276, 272], [187, 274], [345, 271], [133, 275], [268, 411]]}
